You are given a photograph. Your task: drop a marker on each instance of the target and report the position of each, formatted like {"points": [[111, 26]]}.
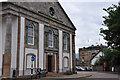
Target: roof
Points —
{"points": [[95, 55]]}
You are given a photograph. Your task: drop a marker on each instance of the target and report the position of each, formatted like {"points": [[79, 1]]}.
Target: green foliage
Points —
{"points": [[111, 57], [112, 36], [112, 21]]}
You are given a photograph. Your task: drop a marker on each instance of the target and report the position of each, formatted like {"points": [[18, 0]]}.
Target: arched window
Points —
{"points": [[30, 61], [65, 42], [30, 36], [50, 39], [65, 62]]}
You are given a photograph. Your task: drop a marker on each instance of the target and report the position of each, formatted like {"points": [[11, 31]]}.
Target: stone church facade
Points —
{"points": [[36, 35]]}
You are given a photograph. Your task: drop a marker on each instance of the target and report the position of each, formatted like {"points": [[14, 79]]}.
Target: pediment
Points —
{"points": [[52, 9]]}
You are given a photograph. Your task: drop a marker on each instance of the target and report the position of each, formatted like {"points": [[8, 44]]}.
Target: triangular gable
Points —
{"points": [[43, 8]]}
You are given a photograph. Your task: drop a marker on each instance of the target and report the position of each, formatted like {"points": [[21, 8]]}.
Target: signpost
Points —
{"points": [[32, 59]]}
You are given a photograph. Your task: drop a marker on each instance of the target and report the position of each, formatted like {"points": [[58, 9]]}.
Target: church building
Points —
{"points": [[36, 35]]}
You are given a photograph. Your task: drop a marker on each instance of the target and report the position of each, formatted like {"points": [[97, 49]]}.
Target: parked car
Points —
{"points": [[78, 68], [84, 68]]}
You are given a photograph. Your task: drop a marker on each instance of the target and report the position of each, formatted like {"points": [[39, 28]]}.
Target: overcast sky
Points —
{"points": [[87, 18], [86, 15]]}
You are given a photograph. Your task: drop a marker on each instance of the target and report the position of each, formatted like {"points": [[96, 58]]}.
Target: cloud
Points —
{"points": [[88, 0], [87, 17]]}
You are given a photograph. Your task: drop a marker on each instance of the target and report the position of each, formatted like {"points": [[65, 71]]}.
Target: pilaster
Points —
{"points": [[41, 46], [60, 51]]}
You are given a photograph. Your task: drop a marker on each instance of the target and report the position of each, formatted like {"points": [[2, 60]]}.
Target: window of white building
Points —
{"points": [[65, 62], [65, 42], [30, 63], [50, 39], [30, 36]]}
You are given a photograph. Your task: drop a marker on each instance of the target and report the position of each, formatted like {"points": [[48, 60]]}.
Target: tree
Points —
{"points": [[112, 36], [112, 21], [111, 57]]}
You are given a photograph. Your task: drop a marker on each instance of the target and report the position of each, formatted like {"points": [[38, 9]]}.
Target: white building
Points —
{"points": [[96, 57], [39, 31]]}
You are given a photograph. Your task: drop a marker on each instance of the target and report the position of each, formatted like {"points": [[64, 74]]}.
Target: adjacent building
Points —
{"points": [[96, 57], [36, 35], [87, 53]]}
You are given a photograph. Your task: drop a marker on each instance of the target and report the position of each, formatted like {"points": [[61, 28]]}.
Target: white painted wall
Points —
{"points": [[2, 40], [41, 45], [21, 57], [60, 51], [1, 55], [14, 43], [71, 51], [3, 34], [96, 58], [66, 55]]}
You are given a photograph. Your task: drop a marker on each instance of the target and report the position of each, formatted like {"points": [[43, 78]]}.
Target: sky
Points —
{"points": [[86, 15], [87, 18]]}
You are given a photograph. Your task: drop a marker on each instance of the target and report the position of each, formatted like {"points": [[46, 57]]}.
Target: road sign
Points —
{"points": [[32, 58]]}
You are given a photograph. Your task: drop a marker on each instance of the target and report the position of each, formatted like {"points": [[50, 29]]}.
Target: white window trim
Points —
{"points": [[33, 38]]}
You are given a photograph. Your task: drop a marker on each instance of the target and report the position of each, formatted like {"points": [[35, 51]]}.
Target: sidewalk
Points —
{"points": [[74, 76]]}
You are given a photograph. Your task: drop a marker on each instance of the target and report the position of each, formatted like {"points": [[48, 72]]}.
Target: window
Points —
{"points": [[65, 42], [50, 39], [30, 63], [30, 36], [83, 59], [93, 54], [83, 54], [65, 62]]}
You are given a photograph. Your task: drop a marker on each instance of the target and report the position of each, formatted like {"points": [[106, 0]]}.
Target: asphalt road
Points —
{"points": [[94, 76]]}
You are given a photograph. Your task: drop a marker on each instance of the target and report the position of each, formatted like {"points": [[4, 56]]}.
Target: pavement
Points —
{"points": [[85, 75], [74, 76]]}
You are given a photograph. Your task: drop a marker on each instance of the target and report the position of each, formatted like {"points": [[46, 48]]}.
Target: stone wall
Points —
{"points": [[100, 68], [97, 68]]}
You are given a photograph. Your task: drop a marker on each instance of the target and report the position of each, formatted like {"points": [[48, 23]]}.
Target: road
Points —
{"points": [[92, 76], [100, 76]]}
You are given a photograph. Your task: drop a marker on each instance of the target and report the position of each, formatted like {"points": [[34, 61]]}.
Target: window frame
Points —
{"points": [[34, 62], [30, 35], [82, 59], [65, 45], [50, 39]]}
